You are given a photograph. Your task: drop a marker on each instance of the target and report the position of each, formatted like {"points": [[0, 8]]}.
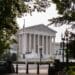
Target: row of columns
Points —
{"points": [[47, 43], [38, 42]]}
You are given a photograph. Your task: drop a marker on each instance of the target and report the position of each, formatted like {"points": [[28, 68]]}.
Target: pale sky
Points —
{"points": [[42, 18], [37, 17]]}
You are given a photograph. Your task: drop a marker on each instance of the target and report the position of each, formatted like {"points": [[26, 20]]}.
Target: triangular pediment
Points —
{"points": [[40, 27]]}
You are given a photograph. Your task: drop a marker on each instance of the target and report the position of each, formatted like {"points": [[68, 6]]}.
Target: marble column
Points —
{"points": [[43, 45], [46, 44], [20, 46], [29, 42], [18, 52], [53, 44], [24, 43], [38, 43], [50, 45], [34, 44]]}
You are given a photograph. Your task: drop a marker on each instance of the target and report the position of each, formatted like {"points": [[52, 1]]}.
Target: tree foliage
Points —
{"points": [[9, 10], [66, 8], [72, 49], [71, 46], [66, 11]]}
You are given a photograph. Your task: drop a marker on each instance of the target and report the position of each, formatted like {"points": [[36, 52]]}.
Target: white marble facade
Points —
{"points": [[31, 39]]}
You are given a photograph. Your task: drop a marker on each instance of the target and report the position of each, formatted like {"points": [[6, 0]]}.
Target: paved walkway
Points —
{"points": [[28, 74], [32, 72]]}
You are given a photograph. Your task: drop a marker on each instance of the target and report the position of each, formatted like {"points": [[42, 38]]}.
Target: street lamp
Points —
{"points": [[63, 45], [40, 54], [65, 42], [67, 54]]}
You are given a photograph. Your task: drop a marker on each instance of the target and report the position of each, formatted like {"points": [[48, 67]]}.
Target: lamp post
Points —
{"points": [[40, 49], [40, 54], [67, 54], [65, 42], [63, 45]]}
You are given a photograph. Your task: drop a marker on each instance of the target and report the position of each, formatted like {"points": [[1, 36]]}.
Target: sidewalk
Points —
{"points": [[28, 74], [32, 72], [43, 70]]}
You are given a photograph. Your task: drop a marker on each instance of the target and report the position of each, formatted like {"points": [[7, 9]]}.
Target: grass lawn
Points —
{"points": [[71, 70]]}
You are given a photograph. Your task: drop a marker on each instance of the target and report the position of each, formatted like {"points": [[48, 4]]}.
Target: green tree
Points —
{"points": [[72, 49], [71, 46], [9, 10], [66, 11], [66, 8]]}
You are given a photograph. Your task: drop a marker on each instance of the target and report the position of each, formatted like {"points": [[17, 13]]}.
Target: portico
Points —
{"points": [[35, 37]]}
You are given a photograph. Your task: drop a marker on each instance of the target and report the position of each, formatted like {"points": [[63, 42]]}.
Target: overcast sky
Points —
{"points": [[42, 18]]}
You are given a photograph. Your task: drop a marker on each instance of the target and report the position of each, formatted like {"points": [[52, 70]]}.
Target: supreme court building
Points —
{"points": [[34, 38]]}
